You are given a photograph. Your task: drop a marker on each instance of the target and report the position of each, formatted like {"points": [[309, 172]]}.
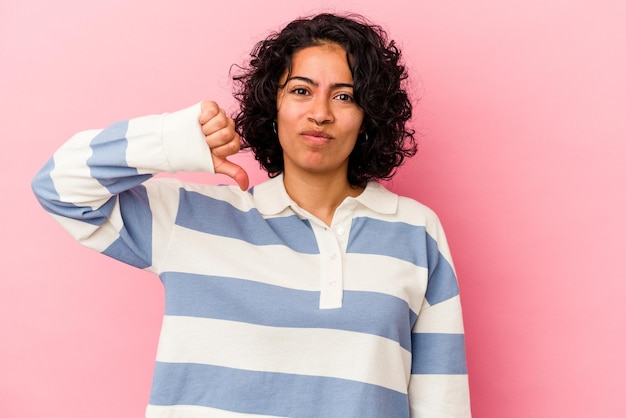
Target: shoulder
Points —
{"points": [[413, 209], [400, 208]]}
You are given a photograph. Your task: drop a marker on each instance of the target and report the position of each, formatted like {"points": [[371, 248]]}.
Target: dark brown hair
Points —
{"points": [[379, 78]]}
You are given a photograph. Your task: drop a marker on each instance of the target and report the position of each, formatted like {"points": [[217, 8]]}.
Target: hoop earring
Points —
{"points": [[367, 138], [274, 128]]}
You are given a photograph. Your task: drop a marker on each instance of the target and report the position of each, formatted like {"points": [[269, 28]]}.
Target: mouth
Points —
{"points": [[316, 137]]}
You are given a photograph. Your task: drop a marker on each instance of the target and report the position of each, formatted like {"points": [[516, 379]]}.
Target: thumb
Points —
{"points": [[232, 170]]}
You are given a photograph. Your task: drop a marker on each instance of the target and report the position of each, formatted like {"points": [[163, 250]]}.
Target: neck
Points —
{"points": [[320, 196]]}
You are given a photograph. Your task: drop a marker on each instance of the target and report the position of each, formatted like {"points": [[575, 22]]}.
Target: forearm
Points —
{"points": [[93, 184], [95, 165], [439, 382]]}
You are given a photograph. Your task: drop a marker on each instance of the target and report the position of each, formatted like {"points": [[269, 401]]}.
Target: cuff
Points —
{"points": [[184, 142]]}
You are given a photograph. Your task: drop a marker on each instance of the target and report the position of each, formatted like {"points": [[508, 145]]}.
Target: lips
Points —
{"points": [[320, 134], [316, 137]]}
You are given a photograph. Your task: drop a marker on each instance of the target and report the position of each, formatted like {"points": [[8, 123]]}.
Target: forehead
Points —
{"points": [[327, 60]]}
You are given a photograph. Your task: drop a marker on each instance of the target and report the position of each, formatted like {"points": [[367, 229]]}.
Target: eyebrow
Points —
{"points": [[315, 83]]}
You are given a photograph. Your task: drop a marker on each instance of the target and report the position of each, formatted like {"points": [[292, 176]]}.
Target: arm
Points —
{"points": [[438, 386], [94, 184]]}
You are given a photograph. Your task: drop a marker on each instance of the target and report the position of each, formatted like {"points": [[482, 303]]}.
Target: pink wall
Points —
{"points": [[523, 156]]}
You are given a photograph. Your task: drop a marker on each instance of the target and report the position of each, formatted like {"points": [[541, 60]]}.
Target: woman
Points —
{"points": [[318, 293]]}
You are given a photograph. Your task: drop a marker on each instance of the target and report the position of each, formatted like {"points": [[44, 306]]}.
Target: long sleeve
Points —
{"points": [[95, 184], [438, 385]]}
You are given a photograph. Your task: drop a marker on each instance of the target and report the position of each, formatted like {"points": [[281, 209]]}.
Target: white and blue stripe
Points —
{"points": [[268, 311]]}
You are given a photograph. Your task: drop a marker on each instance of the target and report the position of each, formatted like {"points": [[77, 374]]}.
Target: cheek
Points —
{"points": [[357, 124], [287, 119], [282, 123]]}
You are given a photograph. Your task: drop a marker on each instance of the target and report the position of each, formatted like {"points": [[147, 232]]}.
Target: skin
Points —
{"points": [[223, 141], [318, 123]]}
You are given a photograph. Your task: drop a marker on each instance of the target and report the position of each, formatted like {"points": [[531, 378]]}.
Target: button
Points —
{"points": [[333, 257], [340, 231], [332, 283]]}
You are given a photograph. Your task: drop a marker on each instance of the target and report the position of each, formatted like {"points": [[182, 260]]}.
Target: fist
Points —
{"points": [[219, 130], [223, 141]]}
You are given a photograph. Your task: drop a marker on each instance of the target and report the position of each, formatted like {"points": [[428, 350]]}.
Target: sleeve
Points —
{"points": [[96, 184], [438, 386]]}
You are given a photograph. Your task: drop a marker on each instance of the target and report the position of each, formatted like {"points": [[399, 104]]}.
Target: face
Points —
{"points": [[318, 119]]}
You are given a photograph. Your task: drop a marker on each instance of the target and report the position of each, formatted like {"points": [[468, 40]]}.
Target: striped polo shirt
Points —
{"points": [[269, 312]]}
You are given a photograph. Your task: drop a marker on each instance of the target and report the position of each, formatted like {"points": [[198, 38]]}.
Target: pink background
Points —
{"points": [[523, 122]]}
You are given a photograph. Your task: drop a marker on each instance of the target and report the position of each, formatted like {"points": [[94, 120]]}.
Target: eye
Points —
{"points": [[344, 97], [300, 91]]}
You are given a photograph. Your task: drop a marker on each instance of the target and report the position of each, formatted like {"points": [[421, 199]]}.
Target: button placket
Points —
{"points": [[331, 269]]}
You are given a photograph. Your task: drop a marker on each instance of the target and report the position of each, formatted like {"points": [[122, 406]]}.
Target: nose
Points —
{"points": [[321, 112]]}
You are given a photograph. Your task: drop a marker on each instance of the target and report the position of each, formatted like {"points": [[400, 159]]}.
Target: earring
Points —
{"points": [[274, 127]]}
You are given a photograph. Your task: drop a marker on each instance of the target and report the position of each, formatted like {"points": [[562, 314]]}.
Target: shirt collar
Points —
{"points": [[377, 198], [271, 198]]}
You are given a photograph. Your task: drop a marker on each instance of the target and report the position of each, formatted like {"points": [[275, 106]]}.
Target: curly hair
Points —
{"points": [[379, 89]]}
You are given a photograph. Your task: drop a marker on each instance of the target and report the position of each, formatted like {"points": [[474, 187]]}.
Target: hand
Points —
{"points": [[223, 141]]}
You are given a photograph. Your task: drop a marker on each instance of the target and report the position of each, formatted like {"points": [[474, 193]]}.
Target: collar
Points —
{"points": [[271, 198]]}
